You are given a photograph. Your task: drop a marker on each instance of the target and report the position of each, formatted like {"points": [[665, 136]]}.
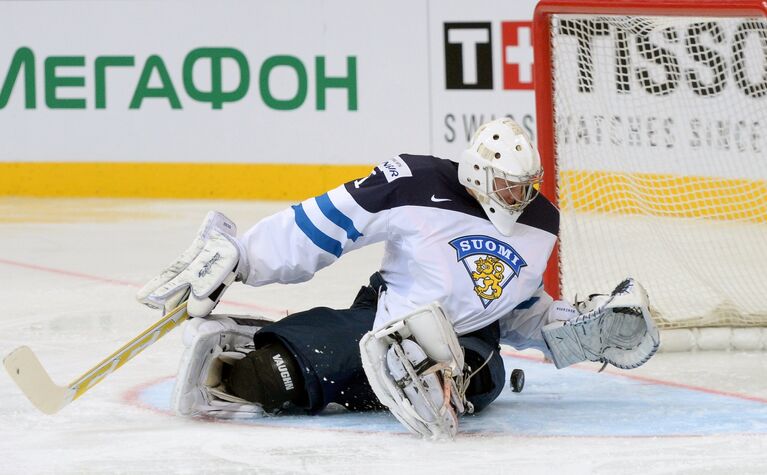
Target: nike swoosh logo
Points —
{"points": [[438, 200]]}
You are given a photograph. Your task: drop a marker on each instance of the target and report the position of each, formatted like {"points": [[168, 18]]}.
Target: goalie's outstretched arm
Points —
{"points": [[521, 329], [617, 328]]}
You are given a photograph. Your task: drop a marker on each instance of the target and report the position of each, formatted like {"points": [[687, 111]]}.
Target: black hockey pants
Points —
{"points": [[325, 343]]}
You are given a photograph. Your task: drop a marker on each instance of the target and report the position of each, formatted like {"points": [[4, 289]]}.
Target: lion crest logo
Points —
{"points": [[488, 277], [491, 264]]}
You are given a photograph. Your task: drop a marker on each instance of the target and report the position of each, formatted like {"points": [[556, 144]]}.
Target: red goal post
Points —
{"points": [[650, 118]]}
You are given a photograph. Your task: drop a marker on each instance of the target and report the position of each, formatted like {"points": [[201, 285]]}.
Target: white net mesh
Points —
{"points": [[661, 151]]}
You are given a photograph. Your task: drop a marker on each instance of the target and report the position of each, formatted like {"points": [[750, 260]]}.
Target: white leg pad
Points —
{"points": [[211, 343], [412, 365]]}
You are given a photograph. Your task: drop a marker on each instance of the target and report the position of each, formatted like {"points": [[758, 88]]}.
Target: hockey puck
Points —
{"points": [[517, 380]]}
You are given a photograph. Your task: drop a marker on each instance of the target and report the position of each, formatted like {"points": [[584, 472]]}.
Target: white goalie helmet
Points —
{"points": [[503, 170]]}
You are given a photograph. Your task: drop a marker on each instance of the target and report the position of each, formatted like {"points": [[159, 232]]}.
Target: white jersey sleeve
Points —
{"points": [[521, 328], [292, 245]]}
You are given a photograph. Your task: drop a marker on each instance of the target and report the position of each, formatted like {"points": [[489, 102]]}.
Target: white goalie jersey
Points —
{"points": [[440, 246]]}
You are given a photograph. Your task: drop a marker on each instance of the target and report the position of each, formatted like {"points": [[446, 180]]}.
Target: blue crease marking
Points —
{"points": [[554, 403], [320, 239]]}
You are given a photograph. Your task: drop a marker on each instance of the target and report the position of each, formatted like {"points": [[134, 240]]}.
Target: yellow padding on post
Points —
{"points": [[663, 195], [174, 180]]}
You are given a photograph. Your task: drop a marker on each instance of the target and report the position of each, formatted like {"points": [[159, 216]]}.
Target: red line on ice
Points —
{"points": [[650, 380], [107, 280], [67, 273]]}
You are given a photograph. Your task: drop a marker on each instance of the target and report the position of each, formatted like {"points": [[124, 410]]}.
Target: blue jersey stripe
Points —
{"points": [[320, 239], [527, 303], [337, 217]]}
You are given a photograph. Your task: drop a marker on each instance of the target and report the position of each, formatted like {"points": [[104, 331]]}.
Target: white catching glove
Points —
{"points": [[617, 329], [204, 271]]}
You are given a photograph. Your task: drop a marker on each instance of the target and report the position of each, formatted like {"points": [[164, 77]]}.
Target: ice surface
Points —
{"points": [[69, 272]]}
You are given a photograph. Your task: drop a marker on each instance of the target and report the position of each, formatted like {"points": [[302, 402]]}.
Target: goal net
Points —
{"points": [[652, 125]]}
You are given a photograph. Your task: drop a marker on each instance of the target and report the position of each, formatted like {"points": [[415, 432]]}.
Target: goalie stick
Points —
{"points": [[29, 375]]}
